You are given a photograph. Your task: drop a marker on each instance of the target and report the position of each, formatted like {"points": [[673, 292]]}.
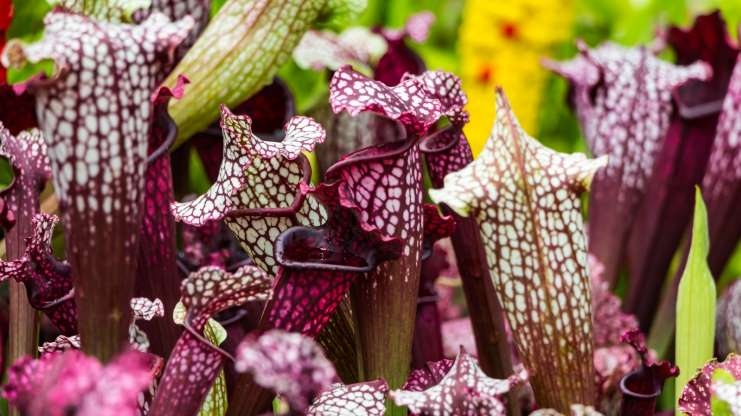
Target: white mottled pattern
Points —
{"points": [[525, 198]]}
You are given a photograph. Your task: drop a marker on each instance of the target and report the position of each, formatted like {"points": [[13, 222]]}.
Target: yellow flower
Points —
{"points": [[502, 43]]}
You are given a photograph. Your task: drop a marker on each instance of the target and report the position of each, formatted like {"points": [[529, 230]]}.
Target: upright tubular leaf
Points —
{"points": [[26, 153], [383, 183], [157, 274], [623, 100], [445, 152], [722, 181], [695, 303], [96, 117], [205, 293], [525, 198], [239, 52]]}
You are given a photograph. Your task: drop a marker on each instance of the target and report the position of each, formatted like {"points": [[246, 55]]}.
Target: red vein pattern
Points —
{"points": [[623, 100], [662, 217], [26, 153], [290, 364], [722, 182], [258, 186], [383, 184], [464, 391], [71, 382], [270, 109], [48, 280], [95, 113], [318, 266], [407, 102], [360, 399], [428, 376], [525, 198], [448, 151], [204, 293], [157, 275], [695, 398]]}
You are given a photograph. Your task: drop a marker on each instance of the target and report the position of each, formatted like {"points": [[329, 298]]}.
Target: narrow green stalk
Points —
{"points": [[695, 304]]}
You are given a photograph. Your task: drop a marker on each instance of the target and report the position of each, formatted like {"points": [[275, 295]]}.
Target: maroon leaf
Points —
{"points": [[447, 151], [465, 390], [728, 317], [194, 362], [198, 10], [695, 398], [428, 343], [95, 112], [641, 387], [663, 216], [707, 40], [623, 100], [408, 102], [19, 202], [383, 184], [428, 376], [157, 275], [446, 87], [17, 112], [290, 364], [399, 59], [350, 133], [361, 399], [318, 265], [610, 322], [48, 280], [73, 383], [722, 182]]}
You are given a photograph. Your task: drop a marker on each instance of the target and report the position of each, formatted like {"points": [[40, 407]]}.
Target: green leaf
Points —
{"points": [[28, 19], [720, 407], [31, 69], [115, 11], [695, 303]]}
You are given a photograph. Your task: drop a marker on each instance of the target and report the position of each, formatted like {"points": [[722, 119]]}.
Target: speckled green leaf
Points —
{"points": [[108, 10], [240, 52]]}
